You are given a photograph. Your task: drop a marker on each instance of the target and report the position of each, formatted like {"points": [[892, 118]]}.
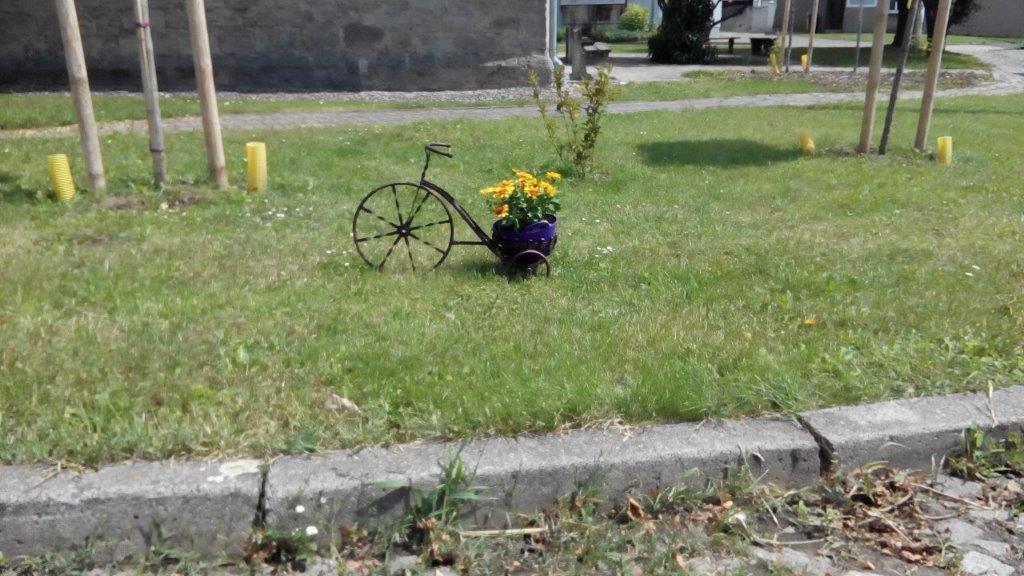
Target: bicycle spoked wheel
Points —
{"points": [[403, 227]]}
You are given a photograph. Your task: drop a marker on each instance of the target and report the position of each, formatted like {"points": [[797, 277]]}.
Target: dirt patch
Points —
{"points": [[170, 200]]}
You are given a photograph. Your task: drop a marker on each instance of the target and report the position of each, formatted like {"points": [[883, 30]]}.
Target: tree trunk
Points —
{"points": [[902, 17]]}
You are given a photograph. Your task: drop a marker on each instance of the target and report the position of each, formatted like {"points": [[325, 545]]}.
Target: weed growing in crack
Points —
{"points": [[432, 519], [982, 457], [273, 547]]}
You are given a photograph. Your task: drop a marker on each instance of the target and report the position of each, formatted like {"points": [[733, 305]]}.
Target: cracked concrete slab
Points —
{"points": [[120, 511], [528, 473], [915, 433]]}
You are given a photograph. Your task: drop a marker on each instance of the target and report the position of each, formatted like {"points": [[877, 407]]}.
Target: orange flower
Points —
{"points": [[532, 191], [548, 188], [501, 211]]}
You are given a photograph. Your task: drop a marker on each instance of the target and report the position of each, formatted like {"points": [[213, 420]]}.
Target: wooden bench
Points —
{"points": [[761, 45], [723, 38], [597, 52]]}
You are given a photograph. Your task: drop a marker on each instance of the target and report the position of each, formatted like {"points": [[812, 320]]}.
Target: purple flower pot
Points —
{"points": [[540, 236]]}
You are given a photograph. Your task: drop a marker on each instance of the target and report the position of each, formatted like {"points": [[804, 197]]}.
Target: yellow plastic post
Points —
{"points": [[60, 177], [774, 59], [804, 62], [256, 158], [944, 154], [807, 143]]}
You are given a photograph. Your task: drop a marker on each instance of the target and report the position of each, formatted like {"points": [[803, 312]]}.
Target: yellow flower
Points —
{"points": [[811, 321], [552, 175], [501, 211], [489, 191], [505, 189], [525, 178], [532, 191], [548, 188]]}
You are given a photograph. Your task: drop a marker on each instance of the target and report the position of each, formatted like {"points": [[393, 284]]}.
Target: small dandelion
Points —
{"points": [[300, 509], [311, 531], [811, 321]]}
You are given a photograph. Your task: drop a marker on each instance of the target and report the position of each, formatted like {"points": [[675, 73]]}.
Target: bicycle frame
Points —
{"points": [[484, 238]]}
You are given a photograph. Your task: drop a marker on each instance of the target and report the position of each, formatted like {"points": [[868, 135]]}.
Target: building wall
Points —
{"points": [[293, 45], [995, 18], [867, 25]]}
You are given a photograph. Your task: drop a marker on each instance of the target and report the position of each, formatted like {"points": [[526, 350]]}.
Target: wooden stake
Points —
{"points": [[783, 36], [810, 41], [874, 75], [931, 78], [78, 77], [207, 92], [147, 64], [894, 95]]}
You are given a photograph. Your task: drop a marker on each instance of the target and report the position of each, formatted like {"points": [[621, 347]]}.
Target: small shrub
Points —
{"points": [[575, 137], [635, 18], [682, 37]]}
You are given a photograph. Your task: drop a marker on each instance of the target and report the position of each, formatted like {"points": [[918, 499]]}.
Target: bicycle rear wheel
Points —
{"points": [[403, 226]]}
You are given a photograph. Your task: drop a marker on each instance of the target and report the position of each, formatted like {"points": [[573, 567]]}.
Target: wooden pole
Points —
{"points": [[786, 7], [874, 75], [931, 77], [898, 78], [810, 41], [147, 64], [207, 91], [78, 77]]}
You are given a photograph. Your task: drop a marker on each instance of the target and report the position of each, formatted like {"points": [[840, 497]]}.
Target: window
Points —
{"points": [[893, 4]]}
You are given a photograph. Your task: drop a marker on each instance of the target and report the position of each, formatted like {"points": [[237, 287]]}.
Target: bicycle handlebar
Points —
{"points": [[433, 147]]}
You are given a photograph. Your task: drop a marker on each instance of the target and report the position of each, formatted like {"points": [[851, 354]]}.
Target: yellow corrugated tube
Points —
{"points": [[60, 177], [256, 158]]}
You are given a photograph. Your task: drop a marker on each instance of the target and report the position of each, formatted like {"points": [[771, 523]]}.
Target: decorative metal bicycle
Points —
{"points": [[416, 219]]}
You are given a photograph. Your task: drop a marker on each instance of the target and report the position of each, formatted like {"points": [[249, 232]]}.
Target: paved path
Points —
{"points": [[1007, 67]]}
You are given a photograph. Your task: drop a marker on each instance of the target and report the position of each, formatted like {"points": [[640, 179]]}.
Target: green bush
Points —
{"points": [[682, 37], [575, 133], [617, 34], [635, 18]]}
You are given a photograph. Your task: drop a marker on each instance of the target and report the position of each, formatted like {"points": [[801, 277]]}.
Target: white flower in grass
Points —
{"points": [[311, 531], [300, 509]]}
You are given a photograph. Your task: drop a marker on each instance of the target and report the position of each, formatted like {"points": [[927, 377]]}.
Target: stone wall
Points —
{"points": [[995, 18], [292, 45]]}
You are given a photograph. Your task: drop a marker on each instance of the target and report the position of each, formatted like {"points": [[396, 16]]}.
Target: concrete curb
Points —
{"points": [[916, 433], [121, 510], [211, 507], [526, 474]]}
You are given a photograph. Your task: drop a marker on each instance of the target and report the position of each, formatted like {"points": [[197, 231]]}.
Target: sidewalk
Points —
{"points": [[1007, 68]]}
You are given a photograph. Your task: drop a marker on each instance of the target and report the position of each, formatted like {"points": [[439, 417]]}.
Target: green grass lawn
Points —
{"points": [[708, 271], [950, 39], [41, 110], [844, 58]]}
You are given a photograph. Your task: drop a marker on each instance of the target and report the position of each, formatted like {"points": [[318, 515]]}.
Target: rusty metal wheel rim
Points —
{"points": [[403, 217]]}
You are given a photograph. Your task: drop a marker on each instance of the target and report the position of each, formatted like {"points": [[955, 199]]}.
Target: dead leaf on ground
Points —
{"points": [[341, 404]]}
